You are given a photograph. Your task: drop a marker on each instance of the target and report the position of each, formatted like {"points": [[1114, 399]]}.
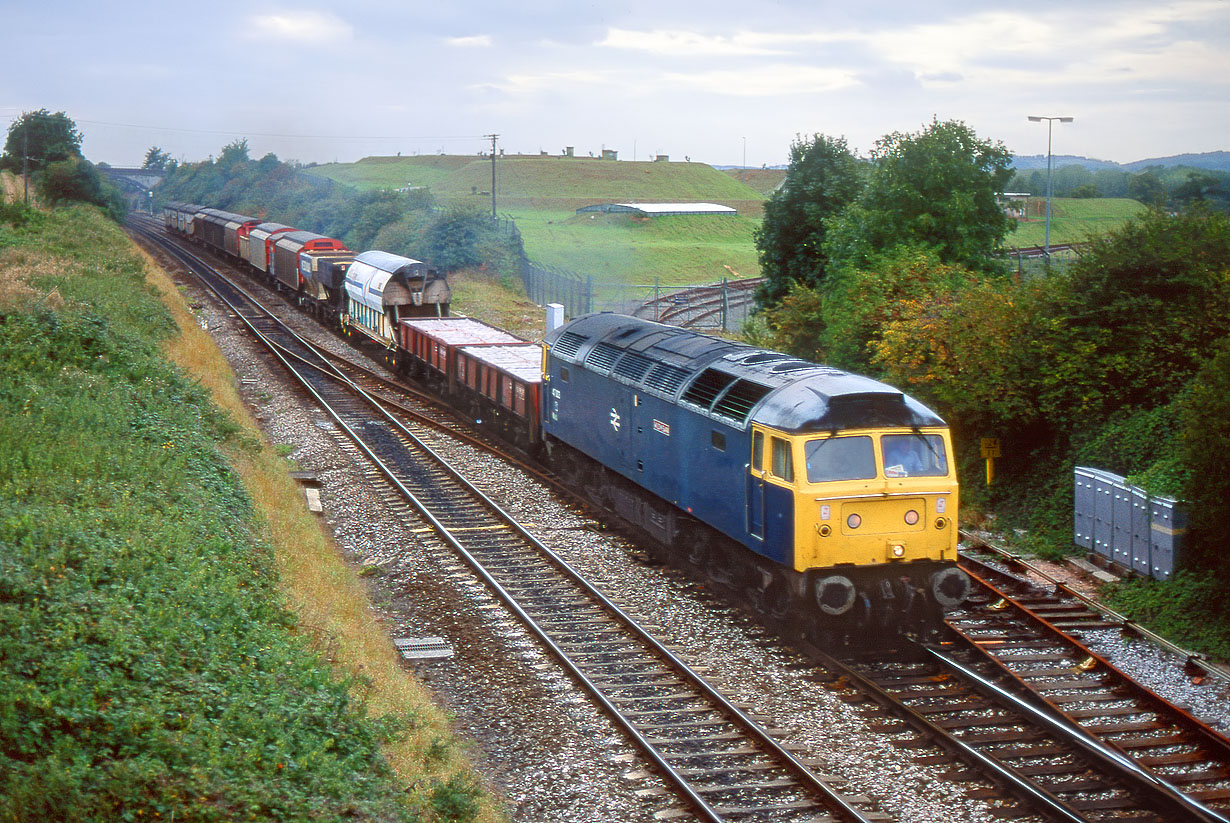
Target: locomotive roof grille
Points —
{"points": [[602, 357], [665, 378], [632, 366], [568, 344], [706, 387], [739, 401]]}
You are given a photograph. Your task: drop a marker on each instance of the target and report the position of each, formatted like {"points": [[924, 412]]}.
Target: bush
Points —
{"points": [[77, 179], [1191, 609]]}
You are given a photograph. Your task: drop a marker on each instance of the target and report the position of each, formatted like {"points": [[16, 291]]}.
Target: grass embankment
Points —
{"points": [[621, 248], [166, 603], [765, 181], [1073, 220], [543, 193]]}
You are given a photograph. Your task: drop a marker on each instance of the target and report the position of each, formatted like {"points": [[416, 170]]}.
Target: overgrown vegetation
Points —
{"points": [[51, 147], [148, 669]]}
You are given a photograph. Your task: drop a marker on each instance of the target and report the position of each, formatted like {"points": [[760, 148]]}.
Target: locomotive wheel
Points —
{"points": [[697, 551], [773, 595], [724, 568]]}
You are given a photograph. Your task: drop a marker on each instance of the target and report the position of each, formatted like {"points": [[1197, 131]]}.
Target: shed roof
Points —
{"points": [[657, 209]]}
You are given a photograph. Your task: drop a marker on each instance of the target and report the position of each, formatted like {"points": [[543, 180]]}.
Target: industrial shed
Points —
{"points": [[656, 209]]}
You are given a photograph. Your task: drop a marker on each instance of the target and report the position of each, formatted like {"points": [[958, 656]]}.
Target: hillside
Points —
{"points": [[1073, 220], [547, 182], [1210, 161], [765, 181], [542, 194]]}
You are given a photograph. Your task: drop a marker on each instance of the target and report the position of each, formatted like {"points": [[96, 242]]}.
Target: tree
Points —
{"points": [[43, 137], [822, 179], [1198, 188], [1147, 187], [1205, 443], [454, 240], [76, 179], [234, 153], [937, 189], [860, 303], [1155, 294], [157, 160]]}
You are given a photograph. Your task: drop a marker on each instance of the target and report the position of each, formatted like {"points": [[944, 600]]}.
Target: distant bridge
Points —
{"points": [[133, 181]]}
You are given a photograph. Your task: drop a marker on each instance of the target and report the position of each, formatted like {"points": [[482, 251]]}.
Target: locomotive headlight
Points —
{"points": [[854, 521], [911, 518], [898, 550]]}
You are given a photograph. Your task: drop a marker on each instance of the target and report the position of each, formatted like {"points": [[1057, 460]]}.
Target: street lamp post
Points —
{"points": [[1050, 122]]}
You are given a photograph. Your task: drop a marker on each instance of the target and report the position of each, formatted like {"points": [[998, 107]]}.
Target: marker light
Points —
{"points": [[854, 521], [911, 518]]}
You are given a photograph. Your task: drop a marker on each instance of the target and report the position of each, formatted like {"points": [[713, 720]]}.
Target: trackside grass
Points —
{"points": [[163, 609]]}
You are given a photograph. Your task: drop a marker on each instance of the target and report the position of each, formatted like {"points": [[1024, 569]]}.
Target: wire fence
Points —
{"points": [[724, 306]]}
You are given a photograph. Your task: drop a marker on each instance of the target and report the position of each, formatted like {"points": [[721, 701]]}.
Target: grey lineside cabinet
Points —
{"points": [[1126, 525]]}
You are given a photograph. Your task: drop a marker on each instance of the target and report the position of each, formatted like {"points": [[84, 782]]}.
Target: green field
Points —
{"points": [[543, 193], [1072, 220], [620, 248]]}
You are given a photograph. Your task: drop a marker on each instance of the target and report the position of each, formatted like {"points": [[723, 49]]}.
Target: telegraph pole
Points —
{"points": [[25, 155], [493, 137]]}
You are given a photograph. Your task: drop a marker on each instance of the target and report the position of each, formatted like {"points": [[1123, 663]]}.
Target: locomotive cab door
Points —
{"points": [[756, 487]]}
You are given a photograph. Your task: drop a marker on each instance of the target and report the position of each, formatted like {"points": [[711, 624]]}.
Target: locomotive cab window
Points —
{"points": [[914, 455], [839, 458], [758, 450], [783, 459]]}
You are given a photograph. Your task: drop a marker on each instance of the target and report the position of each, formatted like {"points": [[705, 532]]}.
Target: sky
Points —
{"points": [[714, 81]]}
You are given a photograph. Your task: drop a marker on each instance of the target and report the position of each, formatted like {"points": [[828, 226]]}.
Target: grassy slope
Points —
{"points": [[542, 194], [765, 181], [147, 666], [1072, 220]]}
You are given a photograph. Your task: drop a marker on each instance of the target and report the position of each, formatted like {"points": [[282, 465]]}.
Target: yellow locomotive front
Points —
{"points": [[874, 517], [875, 496]]}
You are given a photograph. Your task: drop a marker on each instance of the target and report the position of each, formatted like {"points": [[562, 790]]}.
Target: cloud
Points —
{"points": [[297, 27], [766, 81], [473, 41], [686, 43]]}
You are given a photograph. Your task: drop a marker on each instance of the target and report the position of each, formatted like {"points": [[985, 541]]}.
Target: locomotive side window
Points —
{"points": [[758, 450], [914, 455], [563, 374], [783, 463], [718, 439], [839, 458]]}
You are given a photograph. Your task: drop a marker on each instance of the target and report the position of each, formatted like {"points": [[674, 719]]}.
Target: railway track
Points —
{"points": [[722, 763], [701, 306], [1046, 722], [1016, 698]]}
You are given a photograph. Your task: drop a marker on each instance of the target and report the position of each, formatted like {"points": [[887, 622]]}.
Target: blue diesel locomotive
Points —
{"points": [[826, 498]]}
